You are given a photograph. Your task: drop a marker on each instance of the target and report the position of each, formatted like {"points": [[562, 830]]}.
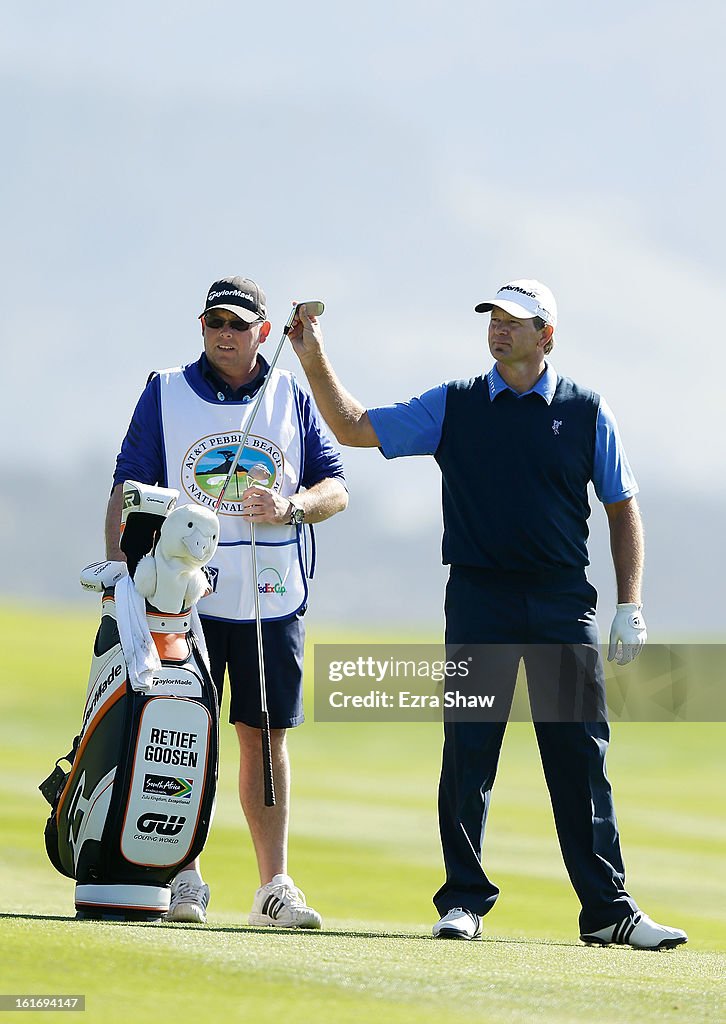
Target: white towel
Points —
{"points": [[137, 644], [142, 657]]}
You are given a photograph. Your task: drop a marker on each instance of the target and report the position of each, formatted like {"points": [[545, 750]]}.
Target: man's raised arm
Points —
{"points": [[343, 413]]}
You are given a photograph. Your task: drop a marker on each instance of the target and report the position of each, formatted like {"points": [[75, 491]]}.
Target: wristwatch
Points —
{"points": [[297, 514]]}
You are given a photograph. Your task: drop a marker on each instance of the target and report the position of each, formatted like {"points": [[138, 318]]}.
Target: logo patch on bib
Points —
{"points": [[209, 460]]}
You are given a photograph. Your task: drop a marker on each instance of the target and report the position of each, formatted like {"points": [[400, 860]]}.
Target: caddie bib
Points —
{"points": [[201, 438]]}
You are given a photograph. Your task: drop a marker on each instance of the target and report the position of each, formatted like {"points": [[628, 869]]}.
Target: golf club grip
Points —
{"points": [[267, 760]]}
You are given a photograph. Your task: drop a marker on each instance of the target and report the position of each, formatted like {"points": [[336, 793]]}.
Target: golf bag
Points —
{"points": [[137, 802]]}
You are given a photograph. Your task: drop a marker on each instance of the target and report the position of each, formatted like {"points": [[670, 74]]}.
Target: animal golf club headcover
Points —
{"points": [[172, 579]]}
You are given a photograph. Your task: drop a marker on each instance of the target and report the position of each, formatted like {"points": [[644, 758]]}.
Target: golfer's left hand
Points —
{"points": [[262, 505], [627, 634]]}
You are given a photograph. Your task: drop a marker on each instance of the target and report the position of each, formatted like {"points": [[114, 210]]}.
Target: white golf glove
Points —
{"points": [[628, 630]]}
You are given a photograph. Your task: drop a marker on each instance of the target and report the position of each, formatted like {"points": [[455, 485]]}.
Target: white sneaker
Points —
{"points": [[458, 924], [639, 932], [280, 904], [189, 901]]}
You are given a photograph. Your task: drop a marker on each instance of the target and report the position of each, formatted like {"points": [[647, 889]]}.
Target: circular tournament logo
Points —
{"points": [[207, 464]]}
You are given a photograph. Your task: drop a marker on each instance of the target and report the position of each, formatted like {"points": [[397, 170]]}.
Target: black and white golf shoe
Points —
{"points": [[458, 924], [280, 904], [637, 931]]}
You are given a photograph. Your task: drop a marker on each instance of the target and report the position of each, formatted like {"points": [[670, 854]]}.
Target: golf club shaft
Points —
{"points": [[316, 309], [258, 399], [264, 715]]}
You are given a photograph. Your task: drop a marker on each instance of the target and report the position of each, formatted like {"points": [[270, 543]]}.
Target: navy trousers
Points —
{"points": [[526, 619]]}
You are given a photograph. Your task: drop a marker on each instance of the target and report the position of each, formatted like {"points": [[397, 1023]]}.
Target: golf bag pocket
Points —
{"points": [[138, 801], [163, 809]]}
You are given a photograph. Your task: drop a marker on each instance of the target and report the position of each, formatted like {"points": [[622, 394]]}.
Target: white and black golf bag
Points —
{"points": [[137, 802]]}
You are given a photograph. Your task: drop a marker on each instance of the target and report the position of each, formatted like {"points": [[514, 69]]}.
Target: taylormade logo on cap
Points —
{"points": [[213, 296], [239, 295], [524, 299]]}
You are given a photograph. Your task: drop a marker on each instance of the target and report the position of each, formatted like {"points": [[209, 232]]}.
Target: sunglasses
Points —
{"points": [[217, 322]]}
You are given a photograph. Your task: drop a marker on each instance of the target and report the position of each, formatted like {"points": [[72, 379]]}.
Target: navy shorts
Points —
{"points": [[232, 647]]}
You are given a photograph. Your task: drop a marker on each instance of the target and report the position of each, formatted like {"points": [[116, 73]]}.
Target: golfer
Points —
{"points": [[517, 448], [184, 434]]}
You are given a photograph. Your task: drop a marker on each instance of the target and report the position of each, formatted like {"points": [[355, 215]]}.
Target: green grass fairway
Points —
{"points": [[364, 847]]}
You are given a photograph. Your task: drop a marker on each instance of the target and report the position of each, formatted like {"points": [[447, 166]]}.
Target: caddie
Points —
{"points": [[184, 433], [517, 448]]}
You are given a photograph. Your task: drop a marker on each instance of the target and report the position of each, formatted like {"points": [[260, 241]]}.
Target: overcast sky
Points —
{"points": [[400, 160]]}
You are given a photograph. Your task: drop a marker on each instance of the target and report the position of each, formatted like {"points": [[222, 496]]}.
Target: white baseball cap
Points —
{"points": [[524, 299]]}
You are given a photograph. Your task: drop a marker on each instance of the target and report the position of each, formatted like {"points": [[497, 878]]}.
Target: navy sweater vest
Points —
{"points": [[514, 477]]}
